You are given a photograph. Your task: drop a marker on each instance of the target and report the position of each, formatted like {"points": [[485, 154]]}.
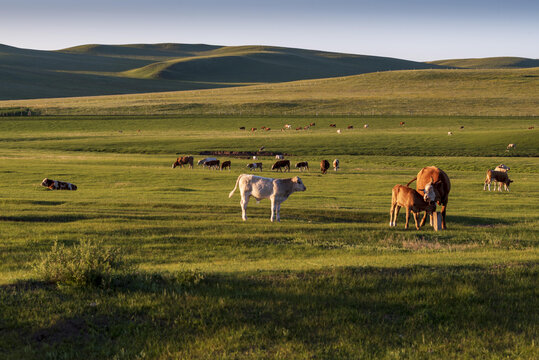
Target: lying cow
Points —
{"points": [[403, 196], [203, 161], [226, 164], [280, 164], [254, 166], [277, 190], [324, 166], [303, 165], [501, 177], [336, 164], [58, 185], [212, 164], [183, 160]]}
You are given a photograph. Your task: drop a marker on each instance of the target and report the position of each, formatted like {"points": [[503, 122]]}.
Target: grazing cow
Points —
{"points": [[263, 127], [212, 164], [511, 146], [336, 164], [501, 177], [306, 128], [299, 128], [462, 127], [277, 190], [203, 161], [183, 160], [302, 165], [288, 126], [433, 183], [350, 126], [312, 124], [403, 196], [402, 123], [531, 128], [324, 166], [279, 156], [268, 129], [332, 125], [280, 164], [242, 128], [254, 166], [225, 165], [338, 131], [253, 129], [366, 126], [449, 133], [58, 185]]}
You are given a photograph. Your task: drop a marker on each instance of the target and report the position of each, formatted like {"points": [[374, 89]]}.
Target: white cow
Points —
{"points": [[366, 126], [277, 190], [279, 157], [205, 160], [338, 131], [336, 164]]}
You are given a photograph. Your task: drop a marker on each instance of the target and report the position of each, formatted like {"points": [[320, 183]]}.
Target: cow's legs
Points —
{"points": [[273, 209], [407, 218], [416, 222], [396, 214], [424, 219], [444, 206], [278, 211], [392, 213], [243, 202]]}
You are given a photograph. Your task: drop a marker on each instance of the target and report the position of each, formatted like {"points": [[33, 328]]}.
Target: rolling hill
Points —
{"points": [[489, 63], [89, 70]]}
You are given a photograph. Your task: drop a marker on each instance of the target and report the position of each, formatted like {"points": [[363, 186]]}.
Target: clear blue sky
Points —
{"points": [[409, 29]]}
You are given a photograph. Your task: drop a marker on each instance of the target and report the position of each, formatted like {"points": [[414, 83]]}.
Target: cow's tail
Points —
{"points": [[411, 181], [237, 181]]}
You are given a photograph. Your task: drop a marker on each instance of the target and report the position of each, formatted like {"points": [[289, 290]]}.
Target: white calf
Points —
{"points": [[277, 190]]}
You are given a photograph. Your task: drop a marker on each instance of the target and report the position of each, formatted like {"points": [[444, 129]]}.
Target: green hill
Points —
{"points": [[125, 69], [409, 92], [489, 63]]}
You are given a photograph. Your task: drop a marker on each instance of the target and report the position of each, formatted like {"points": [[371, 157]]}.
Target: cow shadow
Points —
{"points": [[53, 218]]}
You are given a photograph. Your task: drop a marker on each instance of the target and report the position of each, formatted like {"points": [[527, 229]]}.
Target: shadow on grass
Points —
{"points": [[479, 221], [351, 312]]}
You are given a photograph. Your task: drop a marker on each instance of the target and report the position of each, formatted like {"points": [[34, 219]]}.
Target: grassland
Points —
{"points": [[507, 62], [502, 92], [330, 281]]}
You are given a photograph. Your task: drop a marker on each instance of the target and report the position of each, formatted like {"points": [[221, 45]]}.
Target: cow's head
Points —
{"points": [[504, 167], [298, 184], [429, 192], [176, 163], [46, 182]]}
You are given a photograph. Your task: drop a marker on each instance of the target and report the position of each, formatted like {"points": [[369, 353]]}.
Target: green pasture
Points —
{"points": [[330, 281]]}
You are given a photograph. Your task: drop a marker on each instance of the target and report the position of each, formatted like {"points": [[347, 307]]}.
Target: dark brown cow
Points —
{"points": [[350, 126], [302, 165], [242, 128], [280, 164], [212, 164], [58, 185], [403, 196], [183, 160], [312, 124], [225, 165], [324, 166], [332, 125], [434, 185]]}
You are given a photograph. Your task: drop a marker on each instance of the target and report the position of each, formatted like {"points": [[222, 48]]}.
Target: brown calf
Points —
{"points": [[280, 164], [226, 164], [332, 125], [403, 196]]}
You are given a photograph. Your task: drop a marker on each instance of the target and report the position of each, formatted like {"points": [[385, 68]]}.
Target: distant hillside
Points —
{"points": [[410, 92], [489, 63], [126, 69]]}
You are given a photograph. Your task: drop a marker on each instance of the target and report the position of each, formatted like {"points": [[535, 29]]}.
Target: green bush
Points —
{"points": [[87, 263]]}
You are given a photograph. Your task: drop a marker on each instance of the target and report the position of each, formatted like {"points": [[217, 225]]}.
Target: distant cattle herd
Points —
{"points": [[432, 184]]}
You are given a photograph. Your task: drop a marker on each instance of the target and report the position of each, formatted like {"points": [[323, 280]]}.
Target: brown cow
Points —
{"points": [[501, 177], [402, 123], [212, 164], [58, 185], [324, 166], [434, 185], [280, 164], [302, 165], [226, 164], [350, 126], [253, 129], [332, 125], [403, 196], [183, 160], [312, 124]]}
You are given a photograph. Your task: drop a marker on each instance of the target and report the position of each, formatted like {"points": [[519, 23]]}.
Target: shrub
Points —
{"points": [[87, 263]]}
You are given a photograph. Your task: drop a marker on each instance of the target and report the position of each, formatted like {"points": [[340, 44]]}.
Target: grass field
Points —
{"points": [[330, 281]]}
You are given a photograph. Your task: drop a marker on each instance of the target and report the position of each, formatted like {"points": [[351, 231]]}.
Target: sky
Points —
{"points": [[420, 30]]}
